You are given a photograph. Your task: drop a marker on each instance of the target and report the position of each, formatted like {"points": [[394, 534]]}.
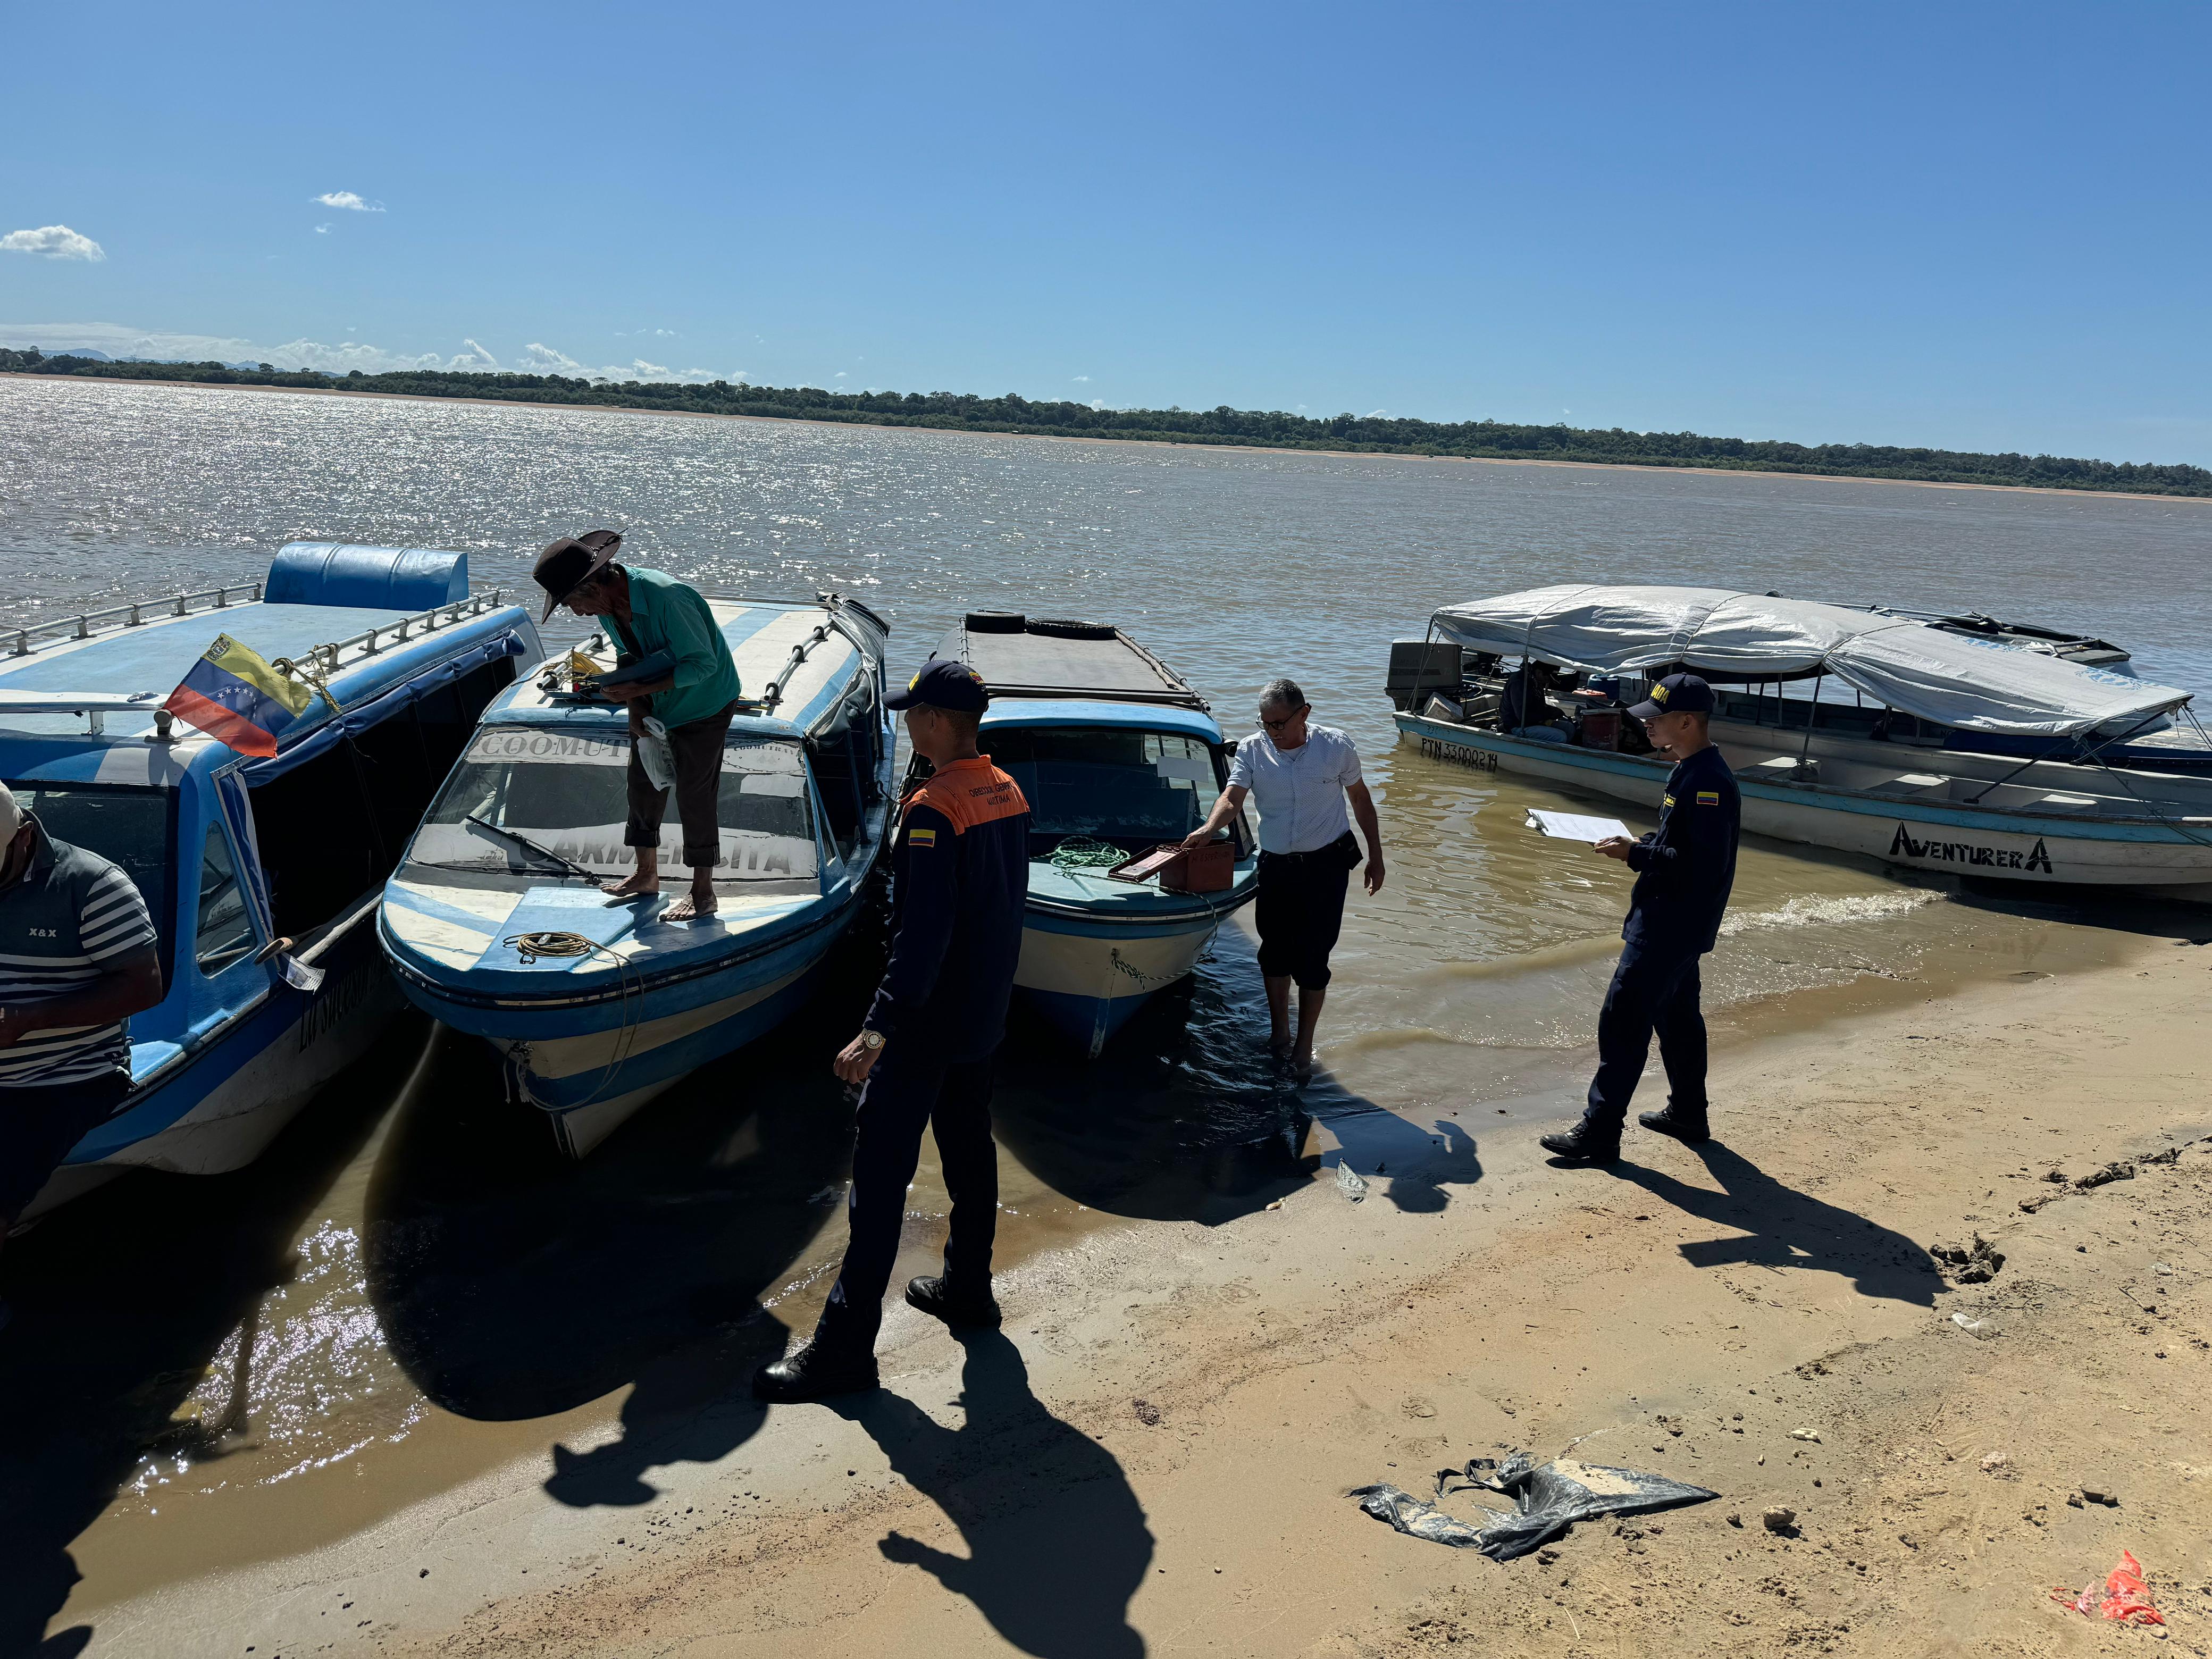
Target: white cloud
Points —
{"points": [[538, 359], [118, 341], [350, 201], [1082, 380], [322, 230], [1372, 413], [53, 242], [342, 357]]}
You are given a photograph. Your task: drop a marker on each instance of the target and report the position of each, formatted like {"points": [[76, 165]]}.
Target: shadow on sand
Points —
{"points": [[1056, 1540], [512, 1283], [123, 1298], [1787, 1229], [1186, 1117]]}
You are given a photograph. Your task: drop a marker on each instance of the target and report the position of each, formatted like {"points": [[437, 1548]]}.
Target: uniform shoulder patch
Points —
{"points": [[921, 837], [1709, 798]]}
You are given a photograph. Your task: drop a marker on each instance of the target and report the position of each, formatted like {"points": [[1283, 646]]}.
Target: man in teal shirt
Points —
{"points": [[648, 614]]}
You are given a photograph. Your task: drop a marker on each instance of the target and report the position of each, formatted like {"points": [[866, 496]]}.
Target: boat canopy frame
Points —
{"points": [[1741, 638]]}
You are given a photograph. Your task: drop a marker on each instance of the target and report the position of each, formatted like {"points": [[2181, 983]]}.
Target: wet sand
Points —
{"points": [[442, 1306], [1009, 1492]]}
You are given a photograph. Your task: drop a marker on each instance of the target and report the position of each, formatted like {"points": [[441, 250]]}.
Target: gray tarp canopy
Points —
{"points": [[1973, 684]]}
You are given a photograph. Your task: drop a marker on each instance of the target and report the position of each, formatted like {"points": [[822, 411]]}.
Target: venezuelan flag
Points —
{"points": [[233, 694]]}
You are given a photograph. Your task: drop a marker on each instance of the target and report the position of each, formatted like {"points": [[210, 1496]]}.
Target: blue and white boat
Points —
{"points": [[261, 873], [494, 922], [1117, 755], [1924, 741]]}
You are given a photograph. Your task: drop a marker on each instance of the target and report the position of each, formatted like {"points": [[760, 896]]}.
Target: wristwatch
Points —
{"points": [[870, 1040]]}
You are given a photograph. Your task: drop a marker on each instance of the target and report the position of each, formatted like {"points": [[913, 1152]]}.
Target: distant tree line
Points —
{"points": [[1274, 429]]}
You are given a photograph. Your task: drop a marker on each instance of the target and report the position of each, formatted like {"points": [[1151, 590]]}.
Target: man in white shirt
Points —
{"points": [[1301, 776]]}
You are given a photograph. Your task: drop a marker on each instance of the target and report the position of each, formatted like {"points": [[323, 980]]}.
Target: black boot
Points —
{"points": [[1688, 1127], [1583, 1145], [955, 1306], [815, 1372]]}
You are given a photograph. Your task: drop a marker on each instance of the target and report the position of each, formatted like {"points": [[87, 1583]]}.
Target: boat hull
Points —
{"points": [[1945, 836], [216, 1110], [1088, 978], [589, 1069]]}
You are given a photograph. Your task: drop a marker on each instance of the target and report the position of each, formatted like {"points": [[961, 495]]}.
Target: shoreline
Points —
{"points": [[1315, 1344], [1119, 443]]}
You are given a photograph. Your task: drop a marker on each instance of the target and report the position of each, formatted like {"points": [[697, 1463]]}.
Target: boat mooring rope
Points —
{"points": [[1086, 853], [556, 943]]}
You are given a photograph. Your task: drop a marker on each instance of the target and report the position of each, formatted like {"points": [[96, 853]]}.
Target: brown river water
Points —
{"points": [[412, 1288]]}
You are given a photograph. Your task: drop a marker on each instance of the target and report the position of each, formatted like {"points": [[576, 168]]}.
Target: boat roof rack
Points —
{"points": [[316, 663], [1021, 656], [136, 613]]}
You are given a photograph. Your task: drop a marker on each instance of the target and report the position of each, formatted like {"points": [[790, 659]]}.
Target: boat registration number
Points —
{"points": [[1480, 759]]}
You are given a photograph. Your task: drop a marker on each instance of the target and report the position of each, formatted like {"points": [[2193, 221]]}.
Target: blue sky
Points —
{"points": [[1976, 226]]}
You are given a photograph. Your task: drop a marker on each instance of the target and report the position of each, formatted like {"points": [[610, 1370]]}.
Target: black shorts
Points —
{"points": [[39, 1127], [1300, 910]]}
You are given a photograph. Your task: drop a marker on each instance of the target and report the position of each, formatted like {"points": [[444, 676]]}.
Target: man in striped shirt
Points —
{"points": [[77, 959]]}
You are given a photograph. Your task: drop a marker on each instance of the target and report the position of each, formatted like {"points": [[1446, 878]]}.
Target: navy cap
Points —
{"points": [[1678, 694], [944, 683]]}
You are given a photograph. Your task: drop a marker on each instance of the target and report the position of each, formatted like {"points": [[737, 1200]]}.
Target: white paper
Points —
{"points": [[1576, 826]]}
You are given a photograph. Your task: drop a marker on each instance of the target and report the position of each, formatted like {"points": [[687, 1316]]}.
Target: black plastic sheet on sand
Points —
{"points": [[1550, 1498]]}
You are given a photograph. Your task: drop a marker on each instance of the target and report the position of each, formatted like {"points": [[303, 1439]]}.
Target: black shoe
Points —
{"points": [[1689, 1128], [814, 1372], [1580, 1146], [938, 1298]]}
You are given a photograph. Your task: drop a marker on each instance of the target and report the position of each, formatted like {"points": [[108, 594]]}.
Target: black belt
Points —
{"points": [[1335, 849]]}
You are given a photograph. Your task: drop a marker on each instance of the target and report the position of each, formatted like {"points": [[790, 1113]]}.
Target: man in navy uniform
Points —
{"points": [[1684, 870], [960, 871]]}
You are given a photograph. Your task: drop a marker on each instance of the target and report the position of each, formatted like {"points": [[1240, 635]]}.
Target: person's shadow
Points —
{"points": [[1057, 1542], [1787, 1229], [1418, 1164]]}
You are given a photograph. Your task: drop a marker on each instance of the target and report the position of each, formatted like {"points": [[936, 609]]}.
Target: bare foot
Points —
{"points": [[1279, 1045], [691, 906], [1302, 1068], [635, 886]]}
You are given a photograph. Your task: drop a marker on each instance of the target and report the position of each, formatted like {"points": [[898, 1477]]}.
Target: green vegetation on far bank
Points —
{"points": [[1373, 434]]}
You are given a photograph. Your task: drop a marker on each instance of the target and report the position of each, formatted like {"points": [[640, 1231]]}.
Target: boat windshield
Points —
{"points": [[1116, 784], [127, 826], [524, 800]]}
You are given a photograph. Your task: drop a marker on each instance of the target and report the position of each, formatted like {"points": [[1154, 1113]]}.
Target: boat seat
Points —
{"points": [[1917, 784], [1785, 768]]}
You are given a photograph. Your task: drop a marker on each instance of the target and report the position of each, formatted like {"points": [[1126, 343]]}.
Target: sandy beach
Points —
{"points": [[1154, 1456]]}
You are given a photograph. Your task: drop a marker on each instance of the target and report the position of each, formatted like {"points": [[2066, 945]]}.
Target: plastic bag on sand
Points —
{"points": [[2125, 1596], [1551, 1498]]}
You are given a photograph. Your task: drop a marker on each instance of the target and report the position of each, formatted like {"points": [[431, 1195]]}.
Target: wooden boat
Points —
{"points": [[262, 873], [494, 922], [1869, 731]]}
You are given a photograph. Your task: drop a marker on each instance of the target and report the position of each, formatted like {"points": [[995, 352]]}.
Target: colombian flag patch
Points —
{"points": [[921, 837], [1709, 798]]}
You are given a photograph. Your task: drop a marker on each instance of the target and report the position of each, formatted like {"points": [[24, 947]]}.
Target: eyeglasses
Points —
{"points": [[1279, 724]]}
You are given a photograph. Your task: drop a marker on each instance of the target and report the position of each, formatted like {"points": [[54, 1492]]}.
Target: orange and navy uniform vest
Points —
{"points": [[960, 874]]}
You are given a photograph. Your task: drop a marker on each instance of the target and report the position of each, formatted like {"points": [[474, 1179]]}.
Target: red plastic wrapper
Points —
{"points": [[2125, 1597]]}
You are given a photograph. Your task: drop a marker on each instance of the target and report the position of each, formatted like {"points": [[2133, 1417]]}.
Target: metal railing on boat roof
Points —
{"points": [[328, 659], [136, 613]]}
